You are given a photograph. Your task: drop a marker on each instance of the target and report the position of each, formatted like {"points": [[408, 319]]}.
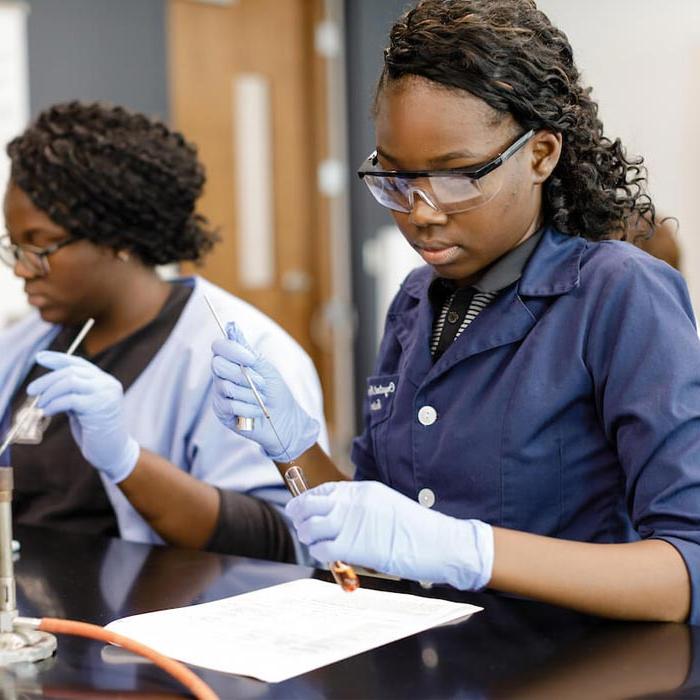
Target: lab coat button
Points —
{"points": [[426, 498], [427, 415]]}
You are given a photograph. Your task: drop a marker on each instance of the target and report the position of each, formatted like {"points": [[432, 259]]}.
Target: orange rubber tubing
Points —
{"points": [[177, 670]]}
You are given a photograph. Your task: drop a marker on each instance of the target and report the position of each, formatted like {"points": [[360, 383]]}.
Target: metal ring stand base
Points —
{"points": [[25, 645]]}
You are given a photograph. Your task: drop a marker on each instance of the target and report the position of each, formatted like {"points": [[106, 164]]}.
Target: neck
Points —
{"points": [[138, 297]]}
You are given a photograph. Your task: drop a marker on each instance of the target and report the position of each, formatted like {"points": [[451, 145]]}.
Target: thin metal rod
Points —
{"points": [[81, 336], [216, 316], [343, 574], [245, 374], [20, 423]]}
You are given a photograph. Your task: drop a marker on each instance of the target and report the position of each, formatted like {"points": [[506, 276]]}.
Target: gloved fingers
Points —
{"points": [[229, 390], [320, 527], [80, 375], [333, 550], [69, 403], [76, 429], [326, 488], [225, 369], [371, 494], [234, 332], [316, 501], [246, 410], [229, 408], [47, 399], [56, 360], [234, 352]]}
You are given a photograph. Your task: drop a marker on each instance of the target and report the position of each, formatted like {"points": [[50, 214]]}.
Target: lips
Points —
{"points": [[438, 254], [35, 298]]}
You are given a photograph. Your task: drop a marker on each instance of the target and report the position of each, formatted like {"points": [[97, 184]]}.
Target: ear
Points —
{"points": [[546, 150], [120, 254]]}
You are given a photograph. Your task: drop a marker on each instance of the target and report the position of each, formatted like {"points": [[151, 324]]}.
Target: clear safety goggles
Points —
{"points": [[33, 258], [447, 191]]}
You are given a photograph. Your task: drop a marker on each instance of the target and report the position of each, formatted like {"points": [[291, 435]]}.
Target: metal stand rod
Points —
{"points": [[8, 601], [16, 645]]}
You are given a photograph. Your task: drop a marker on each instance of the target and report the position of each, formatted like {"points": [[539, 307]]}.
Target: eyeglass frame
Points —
{"points": [[18, 251], [472, 172]]}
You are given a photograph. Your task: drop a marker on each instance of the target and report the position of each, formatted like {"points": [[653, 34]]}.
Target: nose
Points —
{"points": [[423, 213], [22, 270]]}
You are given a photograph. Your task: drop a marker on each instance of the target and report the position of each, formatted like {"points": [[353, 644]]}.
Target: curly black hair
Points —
{"points": [[509, 54], [115, 177]]}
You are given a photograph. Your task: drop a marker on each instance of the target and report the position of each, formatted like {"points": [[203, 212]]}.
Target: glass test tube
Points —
{"points": [[343, 574]]}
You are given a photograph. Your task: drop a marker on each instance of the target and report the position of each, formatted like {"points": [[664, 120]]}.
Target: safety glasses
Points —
{"points": [[447, 191], [33, 258]]}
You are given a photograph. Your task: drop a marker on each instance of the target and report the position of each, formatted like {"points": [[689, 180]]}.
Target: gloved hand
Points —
{"points": [[370, 524], [93, 400], [233, 397]]}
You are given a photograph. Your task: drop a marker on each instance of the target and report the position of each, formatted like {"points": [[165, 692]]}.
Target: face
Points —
{"points": [[421, 125], [77, 285]]}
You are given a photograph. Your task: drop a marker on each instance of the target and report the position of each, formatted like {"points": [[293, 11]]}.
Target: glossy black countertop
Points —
{"points": [[513, 649]]}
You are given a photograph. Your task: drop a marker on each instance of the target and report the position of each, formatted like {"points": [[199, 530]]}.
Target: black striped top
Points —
{"points": [[478, 302], [455, 308]]}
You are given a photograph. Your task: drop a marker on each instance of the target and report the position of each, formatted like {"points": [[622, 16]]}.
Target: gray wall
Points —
{"points": [[367, 25], [113, 50]]}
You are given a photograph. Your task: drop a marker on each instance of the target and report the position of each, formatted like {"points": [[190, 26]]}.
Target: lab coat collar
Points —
{"points": [[505, 320], [555, 266], [417, 283], [553, 269]]}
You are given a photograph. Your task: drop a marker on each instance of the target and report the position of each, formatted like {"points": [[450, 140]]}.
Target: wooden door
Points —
{"points": [[210, 47]]}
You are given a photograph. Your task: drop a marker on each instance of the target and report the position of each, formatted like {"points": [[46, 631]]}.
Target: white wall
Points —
{"points": [[642, 58], [388, 258], [14, 108]]}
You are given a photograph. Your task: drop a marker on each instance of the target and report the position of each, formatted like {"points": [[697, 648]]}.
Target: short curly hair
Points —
{"points": [[509, 54], [116, 178]]}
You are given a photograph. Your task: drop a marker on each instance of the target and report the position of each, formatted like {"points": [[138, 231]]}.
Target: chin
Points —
{"points": [[458, 274], [53, 315]]}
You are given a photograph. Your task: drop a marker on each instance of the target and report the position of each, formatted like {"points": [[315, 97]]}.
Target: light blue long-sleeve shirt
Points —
{"points": [[168, 407]]}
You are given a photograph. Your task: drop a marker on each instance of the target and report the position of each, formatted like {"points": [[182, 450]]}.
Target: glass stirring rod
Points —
{"points": [[343, 574], [32, 405]]}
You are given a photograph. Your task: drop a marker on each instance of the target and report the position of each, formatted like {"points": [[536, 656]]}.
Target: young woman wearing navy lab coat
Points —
{"points": [[98, 197], [533, 421]]}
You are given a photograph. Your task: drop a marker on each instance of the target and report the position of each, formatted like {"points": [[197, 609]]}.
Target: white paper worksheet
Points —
{"points": [[286, 630]]}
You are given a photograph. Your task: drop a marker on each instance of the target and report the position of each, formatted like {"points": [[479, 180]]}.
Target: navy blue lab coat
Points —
{"points": [[570, 407]]}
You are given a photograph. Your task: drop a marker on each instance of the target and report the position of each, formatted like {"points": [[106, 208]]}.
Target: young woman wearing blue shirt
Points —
{"points": [[533, 421]]}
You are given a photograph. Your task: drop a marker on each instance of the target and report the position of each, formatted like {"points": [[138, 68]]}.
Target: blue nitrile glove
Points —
{"points": [[369, 524], [233, 397], [93, 400]]}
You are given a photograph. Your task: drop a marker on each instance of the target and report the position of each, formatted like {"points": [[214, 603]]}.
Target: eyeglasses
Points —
{"points": [[33, 258], [447, 191]]}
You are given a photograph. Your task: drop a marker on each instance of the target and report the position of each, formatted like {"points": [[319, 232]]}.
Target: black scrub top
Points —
{"points": [[54, 485]]}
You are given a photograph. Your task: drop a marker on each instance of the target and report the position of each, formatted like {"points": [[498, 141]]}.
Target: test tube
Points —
{"points": [[73, 347], [343, 574]]}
